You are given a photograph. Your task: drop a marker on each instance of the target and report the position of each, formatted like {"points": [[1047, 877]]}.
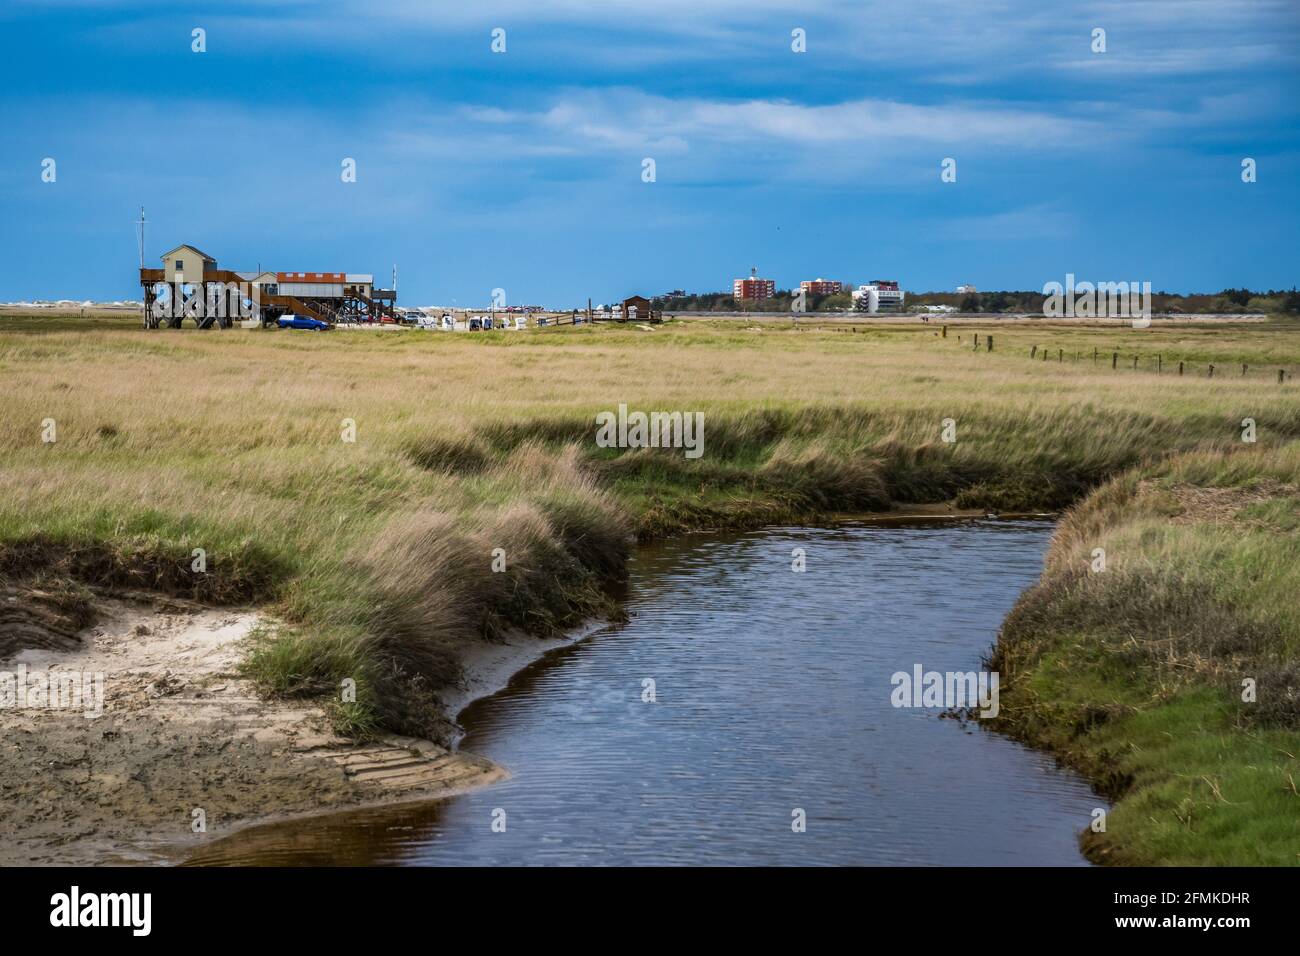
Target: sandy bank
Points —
{"points": [[180, 732]]}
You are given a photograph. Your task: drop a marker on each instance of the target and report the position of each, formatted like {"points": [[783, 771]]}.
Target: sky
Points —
{"points": [[526, 170]]}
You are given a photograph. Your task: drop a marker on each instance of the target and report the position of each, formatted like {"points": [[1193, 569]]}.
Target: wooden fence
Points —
{"points": [[1155, 364]]}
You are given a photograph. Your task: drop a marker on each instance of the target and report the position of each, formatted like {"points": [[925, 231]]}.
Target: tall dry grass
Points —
{"points": [[377, 553]]}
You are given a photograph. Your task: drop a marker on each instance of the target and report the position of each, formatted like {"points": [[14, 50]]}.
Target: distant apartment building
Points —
{"points": [[963, 289], [879, 295], [753, 288], [821, 286]]}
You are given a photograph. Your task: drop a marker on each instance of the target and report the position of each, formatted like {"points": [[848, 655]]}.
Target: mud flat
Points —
{"points": [[181, 732]]}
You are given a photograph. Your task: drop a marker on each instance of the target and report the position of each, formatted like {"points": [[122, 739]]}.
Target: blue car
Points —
{"points": [[302, 322]]}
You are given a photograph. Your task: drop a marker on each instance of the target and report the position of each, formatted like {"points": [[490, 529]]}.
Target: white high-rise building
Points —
{"points": [[880, 295]]}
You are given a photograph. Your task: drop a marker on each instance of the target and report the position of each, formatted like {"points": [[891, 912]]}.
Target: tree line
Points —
{"points": [[1225, 301]]}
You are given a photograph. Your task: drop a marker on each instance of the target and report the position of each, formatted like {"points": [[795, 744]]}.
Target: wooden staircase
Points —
{"points": [[297, 306], [378, 310]]}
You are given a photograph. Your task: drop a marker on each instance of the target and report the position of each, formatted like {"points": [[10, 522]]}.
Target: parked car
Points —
{"points": [[303, 322]]}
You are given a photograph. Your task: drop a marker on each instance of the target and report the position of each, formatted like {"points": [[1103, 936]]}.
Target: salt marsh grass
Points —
{"points": [[377, 553]]}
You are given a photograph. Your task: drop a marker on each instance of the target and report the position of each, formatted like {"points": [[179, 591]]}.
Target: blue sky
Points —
{"points": [[523, 170]]}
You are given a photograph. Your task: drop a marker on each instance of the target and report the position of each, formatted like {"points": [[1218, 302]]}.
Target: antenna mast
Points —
{"points": [[142, 222], [146, 291]]}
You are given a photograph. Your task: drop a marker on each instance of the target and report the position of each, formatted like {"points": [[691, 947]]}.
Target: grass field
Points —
{"points": [[377, 552]]}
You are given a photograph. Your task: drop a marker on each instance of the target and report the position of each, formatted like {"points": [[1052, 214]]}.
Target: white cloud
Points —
{"points": [[936, 41], [630, 119]]}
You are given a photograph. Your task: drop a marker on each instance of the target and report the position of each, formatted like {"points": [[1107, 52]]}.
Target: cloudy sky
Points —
{"points": [[524, 169]]}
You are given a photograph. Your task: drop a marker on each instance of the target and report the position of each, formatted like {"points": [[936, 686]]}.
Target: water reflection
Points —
{"points": [[772, 694]]}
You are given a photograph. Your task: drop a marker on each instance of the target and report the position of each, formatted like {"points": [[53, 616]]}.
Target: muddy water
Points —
{"points": [[772, 693]]}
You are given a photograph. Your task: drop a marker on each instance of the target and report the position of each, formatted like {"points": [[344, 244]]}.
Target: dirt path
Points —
{"points": [[179, 732]]}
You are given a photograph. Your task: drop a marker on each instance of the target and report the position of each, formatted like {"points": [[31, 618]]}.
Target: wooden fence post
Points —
{"points": [[1180, 368], [988, 341], [1114, 360], [1033, 352], [1211, 370]]}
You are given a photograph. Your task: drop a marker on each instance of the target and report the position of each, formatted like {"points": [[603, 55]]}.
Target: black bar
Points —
{"points": [[331, 906]]}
